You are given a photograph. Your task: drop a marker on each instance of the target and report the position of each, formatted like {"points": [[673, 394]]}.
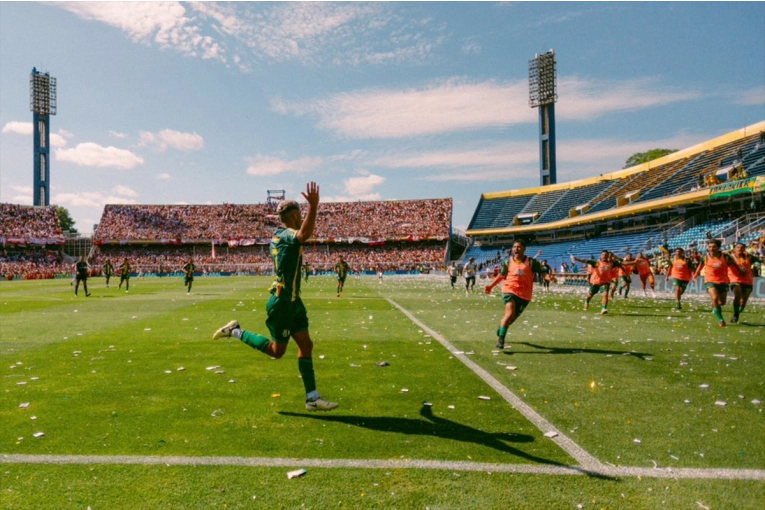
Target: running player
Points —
{"points": [[643, 266], [188, 271], [342, 268], [681, 274], [306, 271], [108, 271], [81, 275], [715, 265], [741, 280], [453, 273], [600, 278], [124, 271], [469, 270], [625, 276], [287, 316], [517, 288], [546, 276]]}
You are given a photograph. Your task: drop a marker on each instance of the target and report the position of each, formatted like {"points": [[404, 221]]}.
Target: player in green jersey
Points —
{"points": [[124, 271], [108, 271], [188, 272], [342, 268], [287, 317], [81, 275]]}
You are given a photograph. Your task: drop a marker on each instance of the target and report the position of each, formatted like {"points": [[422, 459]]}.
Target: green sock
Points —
{"points": [[717, 311], [626, 291], [736, 309], [305, 366], [255, 340], [502, 332]]}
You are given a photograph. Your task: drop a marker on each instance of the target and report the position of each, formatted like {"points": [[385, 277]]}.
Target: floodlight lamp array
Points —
{"points": [[542, 80], [42, 93]]}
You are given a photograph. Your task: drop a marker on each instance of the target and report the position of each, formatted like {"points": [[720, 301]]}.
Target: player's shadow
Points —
{"points": [[572, 350], [435, 426]]}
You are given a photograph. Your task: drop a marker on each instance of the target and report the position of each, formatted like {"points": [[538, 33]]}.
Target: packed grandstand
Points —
{"points": [[711, 190]]}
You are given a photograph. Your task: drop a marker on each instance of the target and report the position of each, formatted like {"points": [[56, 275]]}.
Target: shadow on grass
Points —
{"points": [[437, 427], [569, 350]]}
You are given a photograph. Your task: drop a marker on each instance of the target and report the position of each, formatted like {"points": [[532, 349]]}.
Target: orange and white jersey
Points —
{"points": [[680, 270], [716, 269], [601, 273], [643, 266], [519, 277], [746, 276]]}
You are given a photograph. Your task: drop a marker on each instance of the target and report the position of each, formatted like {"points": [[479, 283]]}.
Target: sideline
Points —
{"points": [[602, 471]]}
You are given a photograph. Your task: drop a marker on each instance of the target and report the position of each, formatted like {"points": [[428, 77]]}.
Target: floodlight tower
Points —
{"points": [[42, 102], [543, 94]]}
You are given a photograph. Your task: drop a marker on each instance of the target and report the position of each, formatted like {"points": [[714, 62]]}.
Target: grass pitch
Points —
{"points": [[132, 375]]}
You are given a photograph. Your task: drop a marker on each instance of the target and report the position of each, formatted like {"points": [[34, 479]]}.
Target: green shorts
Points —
{"points": [[520, 304], [188, 279], [722, 288], [743, 286], [595, 289], [341, 279], [683, 284], [626, 280], [285, 318]]}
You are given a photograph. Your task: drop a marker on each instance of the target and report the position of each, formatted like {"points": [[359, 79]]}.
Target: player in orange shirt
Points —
{"points": [[517, 276], [600, 278], [715, 265], [625, 276], [741, 280], [643, 266], [681, 274]]}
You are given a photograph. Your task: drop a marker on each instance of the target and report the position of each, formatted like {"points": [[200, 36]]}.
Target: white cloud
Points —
{"points": [[94, 155], [57, 139], [166, 24], [267, 165], [173, 139], [94, 199], [164, 177], [581, 99], [19, 128], [117, 134], [458, 104], [752, 97], [22, 196], [124, 191], [471, 47], [358, 186], [244, 33]]}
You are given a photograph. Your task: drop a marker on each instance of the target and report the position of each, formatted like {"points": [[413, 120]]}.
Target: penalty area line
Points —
{"points": [[586, 460]]}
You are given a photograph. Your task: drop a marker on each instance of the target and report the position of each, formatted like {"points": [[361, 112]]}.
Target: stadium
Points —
{"points": [[151, 392]]}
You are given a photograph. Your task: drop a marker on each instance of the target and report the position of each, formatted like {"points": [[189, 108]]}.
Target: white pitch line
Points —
{"points": [[603, 470], [586, 460]]}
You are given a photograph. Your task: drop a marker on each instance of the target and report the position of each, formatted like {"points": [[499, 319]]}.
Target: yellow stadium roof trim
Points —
{"points": [[611, 214], [643, 167]]}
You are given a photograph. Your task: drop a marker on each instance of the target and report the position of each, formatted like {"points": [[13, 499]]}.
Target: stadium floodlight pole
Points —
{"points": [[42, 103], [543, 94]]}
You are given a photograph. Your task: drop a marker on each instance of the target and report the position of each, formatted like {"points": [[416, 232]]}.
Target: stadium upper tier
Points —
{"points": [[685, 176], [23, 224], [412, 220]]}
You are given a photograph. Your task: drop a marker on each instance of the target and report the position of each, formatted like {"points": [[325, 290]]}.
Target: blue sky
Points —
{"points": [[165, 103]]}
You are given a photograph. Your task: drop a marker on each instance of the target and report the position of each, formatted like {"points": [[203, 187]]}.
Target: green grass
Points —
{"points": [[102, 387]]}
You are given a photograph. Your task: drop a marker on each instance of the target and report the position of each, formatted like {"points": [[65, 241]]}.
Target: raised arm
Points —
{"points": [[309, 222]]}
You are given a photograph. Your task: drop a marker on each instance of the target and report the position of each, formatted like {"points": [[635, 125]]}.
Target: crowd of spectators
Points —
{"points": [[166, 259], [389, 220], [33, 225], [31, 265]]}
